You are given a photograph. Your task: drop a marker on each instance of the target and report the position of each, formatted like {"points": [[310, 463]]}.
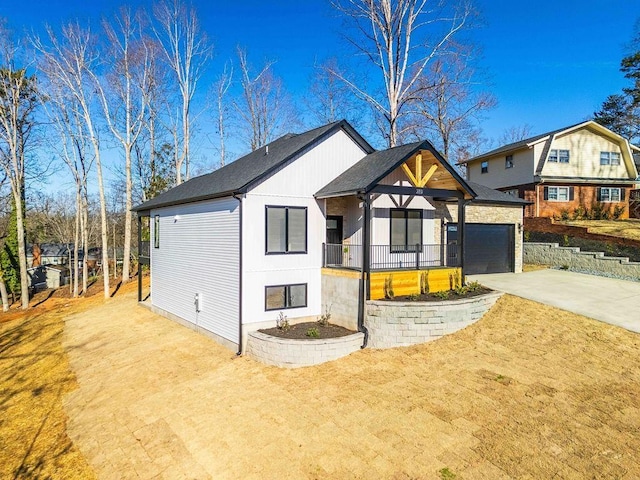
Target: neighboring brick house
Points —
{"points": [[578, 167]]}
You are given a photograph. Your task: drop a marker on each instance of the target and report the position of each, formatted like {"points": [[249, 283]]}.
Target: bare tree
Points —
{"points": [[449, 103], [515, 134], [186, 51], [264, 109], [124, 99], [400, 38], [69, 62], [329, 99], [18, 102], [220, 89]]}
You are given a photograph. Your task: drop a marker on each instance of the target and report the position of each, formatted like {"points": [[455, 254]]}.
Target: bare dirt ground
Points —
{"points": [[629, 228], [527, 392]]}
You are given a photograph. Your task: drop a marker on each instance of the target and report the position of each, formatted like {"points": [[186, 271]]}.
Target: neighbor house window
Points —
{"points": [[557, 194], [286, 229], [514, 192], [609, 158], [406, 230], [484, 167], [561, 156], [508, 162], [607, 194], [156, 231], [280, 297]]}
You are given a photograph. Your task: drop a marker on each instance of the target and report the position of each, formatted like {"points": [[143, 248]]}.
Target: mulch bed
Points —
{"points": [[299, 331], [432, 297]]}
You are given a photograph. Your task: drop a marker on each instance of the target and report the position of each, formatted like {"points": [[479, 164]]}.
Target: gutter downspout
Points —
{"points": [[238, 196], [363, 292]]}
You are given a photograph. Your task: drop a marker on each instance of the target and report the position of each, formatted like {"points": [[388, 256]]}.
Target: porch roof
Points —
{"points": [[365, 175]]}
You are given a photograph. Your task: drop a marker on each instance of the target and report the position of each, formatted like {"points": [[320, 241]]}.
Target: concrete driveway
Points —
{"points": [[606, 299]]}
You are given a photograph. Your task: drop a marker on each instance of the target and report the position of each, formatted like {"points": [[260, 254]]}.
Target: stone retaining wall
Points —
{"points": [[572, 258], [398, 324], [291, 353]]}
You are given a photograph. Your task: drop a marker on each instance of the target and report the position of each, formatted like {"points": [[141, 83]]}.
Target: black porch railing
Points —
{"points": [[144, 252], [392, 257]]}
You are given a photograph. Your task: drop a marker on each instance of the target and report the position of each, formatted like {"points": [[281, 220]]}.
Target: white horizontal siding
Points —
{"points": [[199, 253]]}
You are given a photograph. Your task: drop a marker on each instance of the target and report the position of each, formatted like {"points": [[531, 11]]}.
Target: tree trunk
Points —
{"points": [[127, 219], [4, 295], [22, 251], [104, 229], [85, 244], [76, 249]]}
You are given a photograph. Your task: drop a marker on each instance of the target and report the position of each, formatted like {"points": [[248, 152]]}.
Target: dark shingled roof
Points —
{"points": [[247, 171], [368, 172], [518, 145], [489, 195]]}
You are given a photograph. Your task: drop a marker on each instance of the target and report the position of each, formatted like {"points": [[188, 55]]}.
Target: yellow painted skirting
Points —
{"points": [[336, 272], [407, 282]]}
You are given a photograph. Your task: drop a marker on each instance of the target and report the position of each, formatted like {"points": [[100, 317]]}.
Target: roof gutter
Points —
{"points": [[238, 196]]}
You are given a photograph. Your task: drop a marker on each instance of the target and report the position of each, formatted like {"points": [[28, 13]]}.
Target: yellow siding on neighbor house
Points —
{"points": [[498, 176], [407, 282], [584, 148]]}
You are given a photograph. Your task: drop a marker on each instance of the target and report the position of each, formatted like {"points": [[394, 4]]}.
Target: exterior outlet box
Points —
{"points": [[198, 302]]}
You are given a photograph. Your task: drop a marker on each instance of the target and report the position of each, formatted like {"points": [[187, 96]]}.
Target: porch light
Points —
{"points": [[519, 227], [176, 218]]}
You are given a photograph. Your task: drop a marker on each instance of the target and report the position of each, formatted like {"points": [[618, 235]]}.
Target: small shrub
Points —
{"points": [[323, 320], [598, 212], [313, 333], [414, 297], [618, 211], [565, 240], [564, 214], [282, 322], [579, 213], [444, 295], [474, 286], [527, 236], [454, 280], [388, 287]]}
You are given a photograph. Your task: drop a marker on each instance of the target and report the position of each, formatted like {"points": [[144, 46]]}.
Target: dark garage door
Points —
{"points": [[489, 247]]}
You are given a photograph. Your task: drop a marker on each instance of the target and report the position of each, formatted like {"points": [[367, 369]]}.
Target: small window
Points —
{"points": [[608, 194], [514, 192], [281, 297], [286, 229], [609, 158], [558, 194], [156, 231], [406, 230], [484, 167], [561, 156], [508, 162]]}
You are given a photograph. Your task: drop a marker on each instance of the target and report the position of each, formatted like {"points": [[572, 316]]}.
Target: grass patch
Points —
{"points": [[618, 228]]}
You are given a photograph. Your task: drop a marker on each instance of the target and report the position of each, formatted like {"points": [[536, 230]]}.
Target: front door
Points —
{"points": [[334, 240]]}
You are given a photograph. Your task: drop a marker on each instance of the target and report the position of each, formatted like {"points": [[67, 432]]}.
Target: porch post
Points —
{"points": [[366, 243], [461, 229], [139, 259]]}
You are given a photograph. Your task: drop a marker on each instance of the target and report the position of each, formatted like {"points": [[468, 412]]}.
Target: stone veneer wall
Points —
{"points": [[399, 324], [571, 257], [484, 213], [290, 353]]}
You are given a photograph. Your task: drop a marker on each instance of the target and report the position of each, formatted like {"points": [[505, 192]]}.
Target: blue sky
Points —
{"points": [[550, 62]]}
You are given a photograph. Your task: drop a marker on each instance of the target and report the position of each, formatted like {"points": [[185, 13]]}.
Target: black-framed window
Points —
{"points": [[156, 231], [282, 297], [484, 167], [286, 230], [508, 161], [406, 230]]}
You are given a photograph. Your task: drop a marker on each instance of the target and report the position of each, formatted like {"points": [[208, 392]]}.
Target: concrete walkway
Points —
{"points": [[609, 300]]}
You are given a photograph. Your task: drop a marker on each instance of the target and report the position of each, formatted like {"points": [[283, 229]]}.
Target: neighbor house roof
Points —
{"points": [[246, 172], [369, 171], [485, 194]]}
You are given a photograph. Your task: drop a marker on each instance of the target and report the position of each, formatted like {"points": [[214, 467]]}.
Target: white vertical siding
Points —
{"points": [[294, 186], [199, 253]]}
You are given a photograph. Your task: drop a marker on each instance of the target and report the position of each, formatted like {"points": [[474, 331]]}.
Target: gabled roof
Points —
{"points": [[494, 197], [368, 172], [246, 172], [526, 143]]}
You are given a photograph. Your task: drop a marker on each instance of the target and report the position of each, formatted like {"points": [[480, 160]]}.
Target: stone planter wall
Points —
{"points": [[398, 324], [292, 353], [573, 258]]}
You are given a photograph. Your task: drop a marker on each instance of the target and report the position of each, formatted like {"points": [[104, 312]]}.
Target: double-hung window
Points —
{"points": [[607, 194], [609, 158], [484, 167], [557, 194], [559, 156], [508, 162], [286, 230], [406, 230]]}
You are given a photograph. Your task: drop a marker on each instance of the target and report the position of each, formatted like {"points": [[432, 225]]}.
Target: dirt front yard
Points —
{"points": [[527, 392]]}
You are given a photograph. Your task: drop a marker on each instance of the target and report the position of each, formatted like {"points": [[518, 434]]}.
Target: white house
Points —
{"points": [[267, 233]]}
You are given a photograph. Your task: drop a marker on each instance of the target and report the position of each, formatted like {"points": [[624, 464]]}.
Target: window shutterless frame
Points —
{"points": [[156, 231], [288, 300], [406, 247], [288, 232]]}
